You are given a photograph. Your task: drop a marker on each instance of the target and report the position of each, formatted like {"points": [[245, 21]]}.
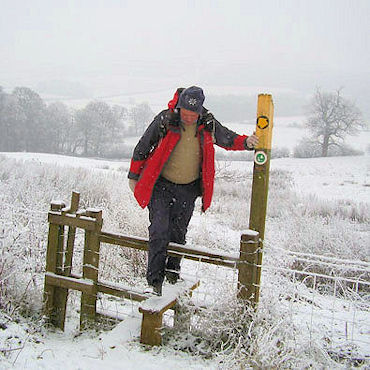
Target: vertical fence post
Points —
{"points": [[71, 235], [247, 274], [54, 264], [90, 269], [67, 263], [261, 172]]}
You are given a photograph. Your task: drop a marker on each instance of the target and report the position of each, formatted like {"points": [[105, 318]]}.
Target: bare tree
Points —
{"points": [[31, 119], [59, 121], [120, 114], [7, 114], [331, 119], [141, 115], [97, 125], [86, 122]]}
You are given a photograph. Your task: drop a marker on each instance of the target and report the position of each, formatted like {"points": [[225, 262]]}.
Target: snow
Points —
{"points": [[334, 178], [170, 294], [116, 349], [325, 178], [66, 161], [329, 178], [335, 315]]}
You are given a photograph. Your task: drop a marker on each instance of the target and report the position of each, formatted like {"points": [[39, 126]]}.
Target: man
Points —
{"points": [[173, 164]]}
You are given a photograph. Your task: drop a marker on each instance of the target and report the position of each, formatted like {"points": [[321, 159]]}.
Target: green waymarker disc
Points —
{"points": [[260, 158]]}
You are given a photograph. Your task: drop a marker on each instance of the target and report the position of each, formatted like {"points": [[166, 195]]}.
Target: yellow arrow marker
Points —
{"points": [[262, 122], [264, 125]]}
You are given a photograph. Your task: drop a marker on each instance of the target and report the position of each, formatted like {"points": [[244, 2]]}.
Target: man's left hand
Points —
{"points": [[252, 141]]}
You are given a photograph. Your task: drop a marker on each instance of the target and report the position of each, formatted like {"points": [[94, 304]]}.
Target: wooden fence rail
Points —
{"points": [[59, 278]]}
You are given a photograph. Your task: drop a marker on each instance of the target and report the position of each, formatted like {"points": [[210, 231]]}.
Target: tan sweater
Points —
{"points": [[184, 163]]}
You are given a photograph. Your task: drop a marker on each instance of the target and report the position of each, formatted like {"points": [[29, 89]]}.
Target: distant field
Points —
{"points": [[287, 132], [325, 178]]}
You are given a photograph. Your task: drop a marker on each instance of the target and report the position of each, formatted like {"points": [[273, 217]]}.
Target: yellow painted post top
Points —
{"points": [[264, 124]]}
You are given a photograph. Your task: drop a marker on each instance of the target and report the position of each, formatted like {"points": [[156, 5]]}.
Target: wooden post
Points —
{"points": [[90, 269], [257, 219], [71, 235], [66, 265], [247, 274], [151, 329], [54, 262], [153, 309]]}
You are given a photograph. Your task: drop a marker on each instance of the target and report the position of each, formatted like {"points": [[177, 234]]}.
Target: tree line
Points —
{"points": [[29, 124]]}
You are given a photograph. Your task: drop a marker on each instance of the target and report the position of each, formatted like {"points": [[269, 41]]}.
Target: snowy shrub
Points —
{"points": [[117, 151], [307, 148], [310, 148], [223, 155], [239, 337], [248, 156], [343, 209], [26, 192], [343, 150], [280, 153]]}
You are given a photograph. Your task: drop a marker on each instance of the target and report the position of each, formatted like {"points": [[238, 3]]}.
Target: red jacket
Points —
{"points": [[156, 145]]}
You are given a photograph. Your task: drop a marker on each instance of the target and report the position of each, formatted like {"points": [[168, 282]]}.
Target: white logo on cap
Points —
{"points": [[192, 101]]}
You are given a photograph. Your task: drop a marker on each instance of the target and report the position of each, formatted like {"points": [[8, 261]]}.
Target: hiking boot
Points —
{"points": [[172, 277], [155, 289]]}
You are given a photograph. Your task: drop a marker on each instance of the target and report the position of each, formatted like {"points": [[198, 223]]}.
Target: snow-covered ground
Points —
{"points": [[65, 161], [117, 349], [329, 178], [325, 178], [335, 178]]}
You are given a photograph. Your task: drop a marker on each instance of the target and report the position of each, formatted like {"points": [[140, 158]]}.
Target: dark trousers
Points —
{"points": [[170, 211]]}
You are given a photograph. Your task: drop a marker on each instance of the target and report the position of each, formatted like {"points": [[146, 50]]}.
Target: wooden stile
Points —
{"points": [[71, 236], [151, 326], [54, 264], [67, 263], [82, 222], [59, 277], [90, 269], [173, 249], [68, 282], [154, 308]]}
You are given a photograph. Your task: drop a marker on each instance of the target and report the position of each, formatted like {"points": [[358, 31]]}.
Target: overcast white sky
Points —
{"points": [[115, 46]]}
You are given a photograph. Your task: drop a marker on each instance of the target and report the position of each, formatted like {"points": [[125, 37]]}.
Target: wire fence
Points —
{"points": [[333, 309], [326, 299]]}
